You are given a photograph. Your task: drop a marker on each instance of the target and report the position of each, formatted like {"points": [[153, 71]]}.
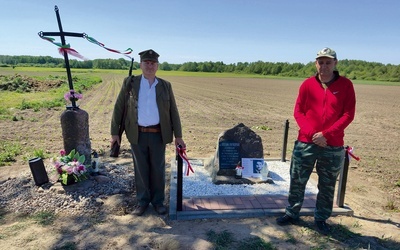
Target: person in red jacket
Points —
{"points": [[325, 106]]}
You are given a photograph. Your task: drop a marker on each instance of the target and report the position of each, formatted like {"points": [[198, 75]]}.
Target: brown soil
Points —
{"points": [[209, 106]]}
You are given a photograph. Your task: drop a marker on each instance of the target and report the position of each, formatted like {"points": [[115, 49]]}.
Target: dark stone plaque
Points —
{"points": [[229, 154]]}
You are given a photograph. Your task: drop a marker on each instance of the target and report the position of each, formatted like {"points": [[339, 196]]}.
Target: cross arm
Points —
{"points": [[41, 33]]}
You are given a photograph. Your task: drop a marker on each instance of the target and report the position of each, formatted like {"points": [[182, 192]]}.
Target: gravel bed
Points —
{"points": [[200, 184], [21, 195]]}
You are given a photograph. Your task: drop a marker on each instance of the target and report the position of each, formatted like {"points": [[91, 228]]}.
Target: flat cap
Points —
{"points": [[149, 55]]}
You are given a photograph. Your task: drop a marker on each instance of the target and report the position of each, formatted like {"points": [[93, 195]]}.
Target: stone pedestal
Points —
{"points": [[75, 132]]}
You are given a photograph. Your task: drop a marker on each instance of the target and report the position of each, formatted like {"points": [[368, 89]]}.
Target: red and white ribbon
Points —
{"points": [[349, 150], [182, 153]]}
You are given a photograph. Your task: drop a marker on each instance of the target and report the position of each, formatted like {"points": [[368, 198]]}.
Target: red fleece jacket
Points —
{"points": [[328, 110]]}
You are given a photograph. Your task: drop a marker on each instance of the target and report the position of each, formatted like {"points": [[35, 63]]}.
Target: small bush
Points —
{"points": [[39, 153], [8, 151]]}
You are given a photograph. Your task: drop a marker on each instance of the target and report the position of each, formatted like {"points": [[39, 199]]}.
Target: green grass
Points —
{"points": [[5, 113], [48, 99], [255, 243], [379, 83], [162, 73], [226, 240], [67, 246], [8, 152], [221, 240], [44, 218]]}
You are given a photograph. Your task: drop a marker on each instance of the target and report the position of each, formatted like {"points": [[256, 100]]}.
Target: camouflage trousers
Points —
{"points": [[328, 162]]}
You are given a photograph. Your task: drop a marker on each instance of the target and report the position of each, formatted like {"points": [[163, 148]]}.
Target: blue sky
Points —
{"points": [[230, 31]]}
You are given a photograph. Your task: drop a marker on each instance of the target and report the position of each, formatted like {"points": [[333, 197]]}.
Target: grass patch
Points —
{"points": [[221, 240], [53, 97], [342, 233], [67, 246], [8, 152], [15, 228], [225, 240], [290, 238], [255, 243], [44, 218], [39, 153], [262, 127], [5, 114], [391, 205]]}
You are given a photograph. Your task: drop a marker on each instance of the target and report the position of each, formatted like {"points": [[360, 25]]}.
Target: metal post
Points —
{"points": [[179, 182], [285, 138], [65, 54], [130, 69], [343, 181]]}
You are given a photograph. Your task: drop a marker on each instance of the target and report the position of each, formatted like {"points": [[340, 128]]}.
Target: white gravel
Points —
{"points": [[199, 183]]}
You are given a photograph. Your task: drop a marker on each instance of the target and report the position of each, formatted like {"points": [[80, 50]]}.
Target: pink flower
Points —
{"points": [[62, 152], [59, 170], [81, 168], [71, 95]]}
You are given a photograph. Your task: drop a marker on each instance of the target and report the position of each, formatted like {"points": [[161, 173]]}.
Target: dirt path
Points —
{"points": [[209, 106]]}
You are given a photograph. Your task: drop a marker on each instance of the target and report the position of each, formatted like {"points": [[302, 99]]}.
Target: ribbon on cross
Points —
{"points": [[92, 40], [67, 47], [349, 151], [182, 153], [63, 48]]}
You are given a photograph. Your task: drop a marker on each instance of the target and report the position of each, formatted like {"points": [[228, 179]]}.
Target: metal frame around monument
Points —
{"points": [[342, 179]]}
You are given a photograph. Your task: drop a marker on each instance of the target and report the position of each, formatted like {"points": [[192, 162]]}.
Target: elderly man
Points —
{"points": [[152, 120]]}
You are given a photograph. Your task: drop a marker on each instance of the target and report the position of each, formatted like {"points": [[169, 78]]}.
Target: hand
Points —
{"points": [[179, 141], [115, 138], [319, 139]]}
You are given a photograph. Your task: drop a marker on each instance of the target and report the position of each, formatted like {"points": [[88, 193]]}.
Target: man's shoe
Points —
{"points": [[140, 210], [286, 219], [323, 228], [160, 209]]}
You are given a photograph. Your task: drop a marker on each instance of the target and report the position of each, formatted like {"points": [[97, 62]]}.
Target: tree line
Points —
{"points": [[353, 69]]}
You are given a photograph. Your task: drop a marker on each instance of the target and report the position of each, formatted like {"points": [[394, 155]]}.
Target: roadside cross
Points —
{"points": [[62, 35]]}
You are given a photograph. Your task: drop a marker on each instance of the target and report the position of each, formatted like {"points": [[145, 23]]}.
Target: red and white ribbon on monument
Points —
{"points": [[182, 153], [349, 151]]}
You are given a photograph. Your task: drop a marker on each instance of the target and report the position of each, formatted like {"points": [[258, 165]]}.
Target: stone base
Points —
{"points": [[223, 179], [227, 172]]}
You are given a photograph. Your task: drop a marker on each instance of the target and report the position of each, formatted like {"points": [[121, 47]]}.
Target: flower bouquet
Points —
{"points": [[71, 95], [70, 168]]}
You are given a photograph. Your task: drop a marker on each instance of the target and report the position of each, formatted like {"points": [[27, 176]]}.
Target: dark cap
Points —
{"points": [[149, 55]]}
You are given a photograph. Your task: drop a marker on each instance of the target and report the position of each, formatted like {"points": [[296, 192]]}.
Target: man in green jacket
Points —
{"points": [[152, 120]]}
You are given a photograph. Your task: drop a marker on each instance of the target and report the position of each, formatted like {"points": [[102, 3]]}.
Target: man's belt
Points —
{"points": [[150, 129]]}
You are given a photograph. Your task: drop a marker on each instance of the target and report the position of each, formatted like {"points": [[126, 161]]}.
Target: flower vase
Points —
{"points": [[70, 180]]}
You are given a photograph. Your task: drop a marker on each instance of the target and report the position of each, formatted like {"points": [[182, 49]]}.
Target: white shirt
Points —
{"points": [[148, 114]]}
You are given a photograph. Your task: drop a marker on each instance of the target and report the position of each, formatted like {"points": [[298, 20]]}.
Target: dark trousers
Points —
{"points": [[149, 165], [328, 162]]}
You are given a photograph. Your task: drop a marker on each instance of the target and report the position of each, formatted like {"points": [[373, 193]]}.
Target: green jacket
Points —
{"points": [[169, 116]]}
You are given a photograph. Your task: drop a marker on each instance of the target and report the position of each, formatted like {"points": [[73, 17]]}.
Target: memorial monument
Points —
{"points": [[232, 146]]}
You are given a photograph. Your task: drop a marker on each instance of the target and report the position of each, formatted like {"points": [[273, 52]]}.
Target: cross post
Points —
{"points": [[62, 35]]}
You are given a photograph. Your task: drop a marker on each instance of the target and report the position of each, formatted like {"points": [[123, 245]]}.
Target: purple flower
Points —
{"points": [[72, 95]]}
